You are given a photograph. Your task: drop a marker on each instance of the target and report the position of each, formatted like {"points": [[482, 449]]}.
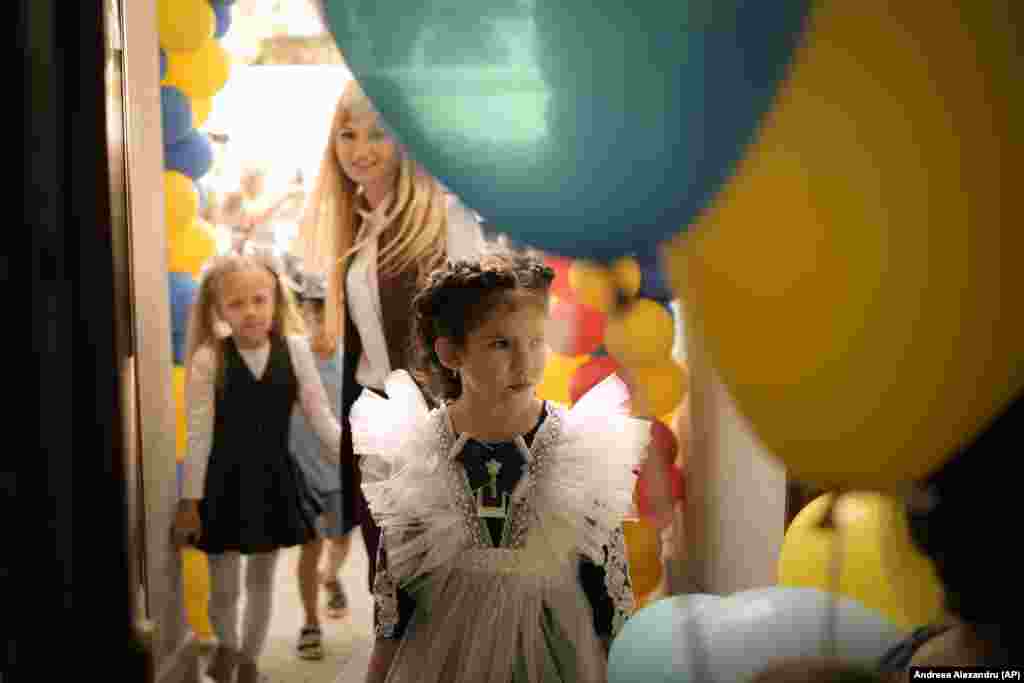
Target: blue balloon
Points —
{"points": [[163, 64], [653, 284], [585, 128], [175, 114], [183, 289], [223, 12], [711, 639], [192, 155]]}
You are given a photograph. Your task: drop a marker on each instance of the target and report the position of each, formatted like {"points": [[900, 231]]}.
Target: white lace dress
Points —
{"points": [[470, 608]]}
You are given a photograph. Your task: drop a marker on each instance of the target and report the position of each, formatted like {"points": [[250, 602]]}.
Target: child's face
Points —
{"points": [[503, 359], [246, 302], [366, 151]]}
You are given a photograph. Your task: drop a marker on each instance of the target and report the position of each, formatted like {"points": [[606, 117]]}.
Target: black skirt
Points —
{"points": [[256, 498]]}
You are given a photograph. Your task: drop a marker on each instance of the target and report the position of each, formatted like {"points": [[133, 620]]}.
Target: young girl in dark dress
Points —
{"points": [[243, 493]]}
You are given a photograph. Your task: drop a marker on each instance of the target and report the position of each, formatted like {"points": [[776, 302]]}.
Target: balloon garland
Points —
{"points": [[194, 67], [604, 325]]}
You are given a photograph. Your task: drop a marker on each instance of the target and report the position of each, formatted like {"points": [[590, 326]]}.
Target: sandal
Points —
{"points": [[310, 643], [337, 601]]}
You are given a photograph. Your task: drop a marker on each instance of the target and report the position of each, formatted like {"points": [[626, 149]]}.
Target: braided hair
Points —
{"points": [[460, 297]]}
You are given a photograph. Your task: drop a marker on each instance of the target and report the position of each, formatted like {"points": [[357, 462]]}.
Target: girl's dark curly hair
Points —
{"points": [[458, 298]]}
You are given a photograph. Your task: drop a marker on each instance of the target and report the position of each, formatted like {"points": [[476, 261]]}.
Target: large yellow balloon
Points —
{"points": [[181, 201], [199, 73], [880, 567], [858, 283], [189, 249], [184, 24], [555, 384]]}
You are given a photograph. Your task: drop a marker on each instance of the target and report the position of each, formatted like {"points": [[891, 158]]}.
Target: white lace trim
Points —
{"points": [[616, 579], [385, 602], [521, 510]]}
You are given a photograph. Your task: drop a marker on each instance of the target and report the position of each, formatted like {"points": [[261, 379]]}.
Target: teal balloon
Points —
{"points": [[712, 639], [643, 650], [586, 128]]}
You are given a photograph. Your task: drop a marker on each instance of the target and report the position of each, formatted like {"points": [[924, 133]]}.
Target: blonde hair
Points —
{"points": [[203, 318], [326, 238]]}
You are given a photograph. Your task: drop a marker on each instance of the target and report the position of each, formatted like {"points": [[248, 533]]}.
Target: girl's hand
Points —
{"points": [[187, 525]]}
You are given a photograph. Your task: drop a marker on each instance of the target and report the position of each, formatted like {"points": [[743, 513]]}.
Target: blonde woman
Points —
{"points": [[376, 224]]}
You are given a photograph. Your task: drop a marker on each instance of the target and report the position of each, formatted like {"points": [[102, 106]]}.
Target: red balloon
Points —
{"points": [[659, 511], [579, 329], [664, 441], [560, 286], [589, 375]]}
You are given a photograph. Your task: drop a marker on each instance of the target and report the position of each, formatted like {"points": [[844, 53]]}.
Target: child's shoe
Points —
{"points": [[337, 601], [310, 643], [223, 665], [248, 672]]}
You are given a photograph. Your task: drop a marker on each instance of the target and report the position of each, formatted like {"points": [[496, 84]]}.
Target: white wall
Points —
{"points": [[737, 505]]}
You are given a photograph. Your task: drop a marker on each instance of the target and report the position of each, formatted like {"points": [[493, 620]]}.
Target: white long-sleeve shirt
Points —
{"points": [[201, 392]]}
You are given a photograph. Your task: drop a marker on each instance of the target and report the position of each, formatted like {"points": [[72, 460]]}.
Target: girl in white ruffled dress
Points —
{"points": [[503, 557]]}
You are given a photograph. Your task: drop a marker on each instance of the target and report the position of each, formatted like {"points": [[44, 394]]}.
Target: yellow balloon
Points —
{"points": [[201, 108], [875, 327], [189, 249], [627, 275], [593, 285], [642, 554], [199, 73], [879, 566], [555, 384], [181, 201], [181, 433], [657, 388], [644, 333], [196, 580], [185, 24]]}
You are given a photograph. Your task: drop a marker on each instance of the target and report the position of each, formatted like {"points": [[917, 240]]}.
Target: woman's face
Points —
{"points": [[366, 151]]}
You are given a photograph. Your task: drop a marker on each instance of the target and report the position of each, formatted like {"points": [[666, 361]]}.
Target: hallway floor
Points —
{"points": [[346, 642]]}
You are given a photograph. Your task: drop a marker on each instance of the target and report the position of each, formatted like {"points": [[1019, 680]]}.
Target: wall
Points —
{"points": [[736, 509]]}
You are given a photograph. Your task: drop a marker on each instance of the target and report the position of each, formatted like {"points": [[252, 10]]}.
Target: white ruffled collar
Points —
{"points": [[454, 442]]}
